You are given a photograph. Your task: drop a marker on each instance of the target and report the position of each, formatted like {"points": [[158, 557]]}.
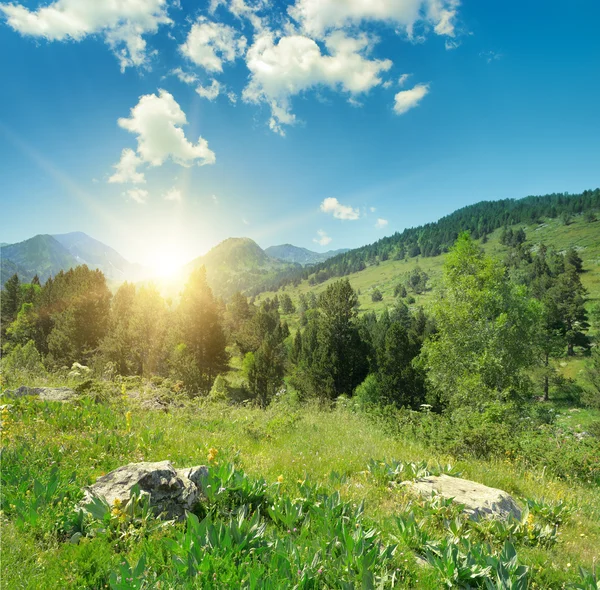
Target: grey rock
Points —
{"points": [[170, 492], [478, 500], [50, 394]]}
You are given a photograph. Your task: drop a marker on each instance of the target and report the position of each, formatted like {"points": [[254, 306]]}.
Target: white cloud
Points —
{"points": [[138, 195], [381, 223], [295, 64], [408, 99], [317, 17], [210, 92], [123, 24], [174, 194], [339, 211], [215, 199], [209, 44], [232, 96], [185, 77], [490, 56], [242, 9], [323, 239], [372, 209], [127, 168], [402, 79], [157, 122]]}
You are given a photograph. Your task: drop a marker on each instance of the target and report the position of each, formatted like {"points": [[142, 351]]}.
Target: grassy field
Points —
{"points": [[68, 446], [584, 236]]}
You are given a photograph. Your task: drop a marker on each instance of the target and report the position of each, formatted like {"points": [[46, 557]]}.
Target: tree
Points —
{"points": [[485, 340], [376, 295], [573, 259], [201, 331], [118, 344], [287, 306], [77, 304], [400, 290], [567, 295], [147, 332], [339, 339], [11, 302]]}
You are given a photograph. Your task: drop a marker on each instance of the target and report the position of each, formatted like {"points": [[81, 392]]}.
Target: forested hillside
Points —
{"points": [[435, 238]]}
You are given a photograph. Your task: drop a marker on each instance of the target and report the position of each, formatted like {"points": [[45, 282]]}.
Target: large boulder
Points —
{"points": [[478, 500], [50, 394], [169, 491]]}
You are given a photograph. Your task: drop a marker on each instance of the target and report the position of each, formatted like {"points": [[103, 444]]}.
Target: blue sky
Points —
{"points": [[329, 123]]}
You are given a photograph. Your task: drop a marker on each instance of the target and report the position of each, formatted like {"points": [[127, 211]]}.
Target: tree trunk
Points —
{"points": [[546, 378]]}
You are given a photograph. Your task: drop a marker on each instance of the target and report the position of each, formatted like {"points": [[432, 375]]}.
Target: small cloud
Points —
{"points": [[408, 99], [339, 211], [185, 77], [174, 194], [381, 223], [127, 168], [215, 199], [323, 239], [210, 92], [372, 209], [245, 221], [138, 195], [451, 44], [387, 84], [402, 79], [490, 56], [232, 96]]}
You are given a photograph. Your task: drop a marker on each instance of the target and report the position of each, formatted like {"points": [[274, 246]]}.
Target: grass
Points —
{"points": [[76, 443]]}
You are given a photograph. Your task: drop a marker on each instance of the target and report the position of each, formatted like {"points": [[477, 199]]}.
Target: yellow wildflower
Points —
{"points": [[128, 421], [212, 454], [280, 479]]}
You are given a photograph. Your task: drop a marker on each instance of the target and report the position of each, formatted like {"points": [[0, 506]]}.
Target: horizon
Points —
{"points": [[324, 126]]}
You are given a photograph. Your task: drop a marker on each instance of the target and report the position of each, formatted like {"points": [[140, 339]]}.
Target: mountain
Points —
{"points": [[46, 255], [95, 254], [42, 255], [238, 264], [303, 256]]}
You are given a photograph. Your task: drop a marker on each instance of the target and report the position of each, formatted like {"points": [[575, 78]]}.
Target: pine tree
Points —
{"points": [[201, 331]]}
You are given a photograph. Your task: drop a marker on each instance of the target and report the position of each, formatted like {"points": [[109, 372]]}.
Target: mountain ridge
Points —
{"points": [[303, 256]]}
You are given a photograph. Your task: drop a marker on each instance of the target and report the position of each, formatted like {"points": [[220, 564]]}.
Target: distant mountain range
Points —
{"points": [[45, 255], [234, 264], [289, 253]]}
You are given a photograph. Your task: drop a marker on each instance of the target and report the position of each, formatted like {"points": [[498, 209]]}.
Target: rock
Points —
{"points": [[50, 394], [169, 491], [478, 500]]}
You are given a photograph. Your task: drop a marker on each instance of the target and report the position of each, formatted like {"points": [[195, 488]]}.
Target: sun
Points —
{"points": [[167, 260], [165, 266]]}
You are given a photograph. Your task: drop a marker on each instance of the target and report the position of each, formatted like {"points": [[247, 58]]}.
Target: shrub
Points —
{"points": [[22, 364]]}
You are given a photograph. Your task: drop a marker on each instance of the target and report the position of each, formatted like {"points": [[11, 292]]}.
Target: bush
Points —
{"points": [[376, 295], [22, 364], [367, 393]]}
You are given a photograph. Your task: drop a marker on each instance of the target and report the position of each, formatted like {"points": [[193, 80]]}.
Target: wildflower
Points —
{"points": [[128, 421], [280, 479], [212, 454]]}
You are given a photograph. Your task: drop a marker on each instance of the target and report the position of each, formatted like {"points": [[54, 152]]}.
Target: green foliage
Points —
{"points": [[201, 333], [376, 295], [485, 340], [22, 364]]}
